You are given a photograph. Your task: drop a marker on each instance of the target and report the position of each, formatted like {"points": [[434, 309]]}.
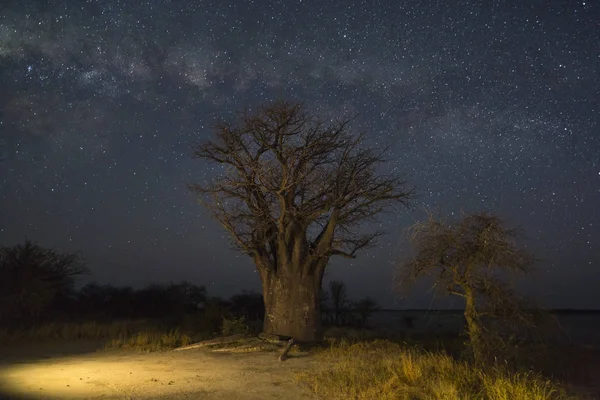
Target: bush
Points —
{"points": [[152, 340], [34, 282], [234, 326]]}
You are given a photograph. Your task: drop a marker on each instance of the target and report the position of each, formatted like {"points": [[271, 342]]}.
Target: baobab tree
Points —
{"points": [[469, 258], [294, 192]]}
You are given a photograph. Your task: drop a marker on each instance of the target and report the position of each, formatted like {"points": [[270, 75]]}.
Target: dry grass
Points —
{"points": [[139, 335], [148, 341], [73, 331], [386, 370]]}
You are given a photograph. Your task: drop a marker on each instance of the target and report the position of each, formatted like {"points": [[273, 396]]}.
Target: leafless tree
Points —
{"points": [[470, 259], [293, 193], [365, 308], [339, 300]]}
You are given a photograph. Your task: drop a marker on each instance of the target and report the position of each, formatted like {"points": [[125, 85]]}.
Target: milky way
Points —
{"points": [[486, 107]]}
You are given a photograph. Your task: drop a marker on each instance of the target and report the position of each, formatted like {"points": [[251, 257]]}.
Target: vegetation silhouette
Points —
{"points": [[35, 280], [470, 258], [293, 193], [160, 317]]}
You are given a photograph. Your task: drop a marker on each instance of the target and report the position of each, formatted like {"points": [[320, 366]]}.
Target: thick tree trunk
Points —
{"points": [[292, 305]]}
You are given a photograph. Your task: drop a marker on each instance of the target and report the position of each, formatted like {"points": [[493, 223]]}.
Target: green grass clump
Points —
{"points": [[384, 370]]}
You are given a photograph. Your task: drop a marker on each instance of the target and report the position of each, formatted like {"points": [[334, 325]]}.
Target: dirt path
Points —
{"points": [[70, 371]]}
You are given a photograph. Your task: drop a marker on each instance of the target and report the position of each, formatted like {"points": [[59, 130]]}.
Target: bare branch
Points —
{"points": [[469, 259], [293, 186]]}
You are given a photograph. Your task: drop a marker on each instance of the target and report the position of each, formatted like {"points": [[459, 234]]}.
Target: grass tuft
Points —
{"points": [[386, 370], [139, 335], [148, 341]]}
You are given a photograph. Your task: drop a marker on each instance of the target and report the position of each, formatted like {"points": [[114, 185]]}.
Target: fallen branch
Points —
{"points": [[221, 340]]}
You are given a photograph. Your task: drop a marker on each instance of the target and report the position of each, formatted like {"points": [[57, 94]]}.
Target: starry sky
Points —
{"points": [[487, 105]]}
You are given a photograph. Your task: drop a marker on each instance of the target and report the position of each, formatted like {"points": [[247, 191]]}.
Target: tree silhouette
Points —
{"points": [[32, 279], [339, 300], [153, 301], [365, 308], [467, 259], [293, 192], [249, 305], [194, 296]]}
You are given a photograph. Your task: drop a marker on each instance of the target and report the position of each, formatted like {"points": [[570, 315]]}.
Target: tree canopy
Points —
{"points": [[33, 277], [288, 173], [295, 190], [470, 258]]}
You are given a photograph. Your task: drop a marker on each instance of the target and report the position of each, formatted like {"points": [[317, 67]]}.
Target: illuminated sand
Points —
{"points": [[119, 374]]}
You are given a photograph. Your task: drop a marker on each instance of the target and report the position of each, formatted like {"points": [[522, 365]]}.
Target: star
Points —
{"points": [[483, 109]]}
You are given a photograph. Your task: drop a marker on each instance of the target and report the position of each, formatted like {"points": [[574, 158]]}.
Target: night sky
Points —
{"points": [[486, 105]]}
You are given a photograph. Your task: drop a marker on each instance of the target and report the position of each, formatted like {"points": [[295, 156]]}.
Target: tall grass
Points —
{"points": [[151, 340], [141, 335], [386, 370], [90, 330]]}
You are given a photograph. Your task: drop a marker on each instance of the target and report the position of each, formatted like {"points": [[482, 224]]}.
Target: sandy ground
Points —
{"points": [[82, 371]]}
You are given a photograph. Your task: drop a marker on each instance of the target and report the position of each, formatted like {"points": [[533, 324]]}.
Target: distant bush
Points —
{"points": [[234, 326], [35, 281], [249, 305], [169, 302], [338, 310], [409, 321]]}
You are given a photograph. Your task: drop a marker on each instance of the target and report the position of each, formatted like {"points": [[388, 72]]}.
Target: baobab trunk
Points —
{"points": [[292, 304]]}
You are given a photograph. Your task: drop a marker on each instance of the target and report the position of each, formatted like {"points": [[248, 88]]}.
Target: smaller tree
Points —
{"points": [[339, 300], [365, 308], [469, 259], [33, 279], [325, 309]]}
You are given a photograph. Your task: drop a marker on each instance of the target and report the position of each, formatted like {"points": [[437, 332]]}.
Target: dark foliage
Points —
{"points": [[338, 310], [35, 282]]}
